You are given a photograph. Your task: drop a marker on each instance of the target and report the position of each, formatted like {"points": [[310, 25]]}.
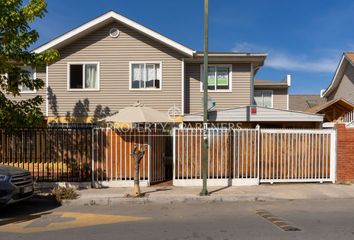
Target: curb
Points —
{"points": [[109, 201], [162, 200]]}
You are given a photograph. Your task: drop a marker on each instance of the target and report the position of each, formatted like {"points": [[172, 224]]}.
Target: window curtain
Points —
{"points": [[90, 76], [137, 78], [158, 75], [267, 99], [258, 98], [151, 75], [30, 71], [263, 98]]}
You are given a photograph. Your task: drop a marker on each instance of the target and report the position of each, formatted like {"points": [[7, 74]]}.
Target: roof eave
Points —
{"points": [[334, 79], [113, 15]]}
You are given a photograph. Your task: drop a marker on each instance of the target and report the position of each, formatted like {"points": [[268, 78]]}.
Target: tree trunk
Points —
{"points": [[138, 155], [137, 192]]}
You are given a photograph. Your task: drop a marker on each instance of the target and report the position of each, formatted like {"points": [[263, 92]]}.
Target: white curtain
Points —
{"points": [[263, 98], [267, 99], [91, 76], [151, 75], [23, 87], [137, 78]]}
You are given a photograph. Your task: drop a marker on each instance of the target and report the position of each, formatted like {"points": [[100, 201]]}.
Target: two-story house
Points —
{"points": [[342, 84], [112, 62], [338, 98]]}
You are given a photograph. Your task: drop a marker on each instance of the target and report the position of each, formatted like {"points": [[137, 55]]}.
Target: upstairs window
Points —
{"points": [[22, 87], [32, 75], [83, 76], [263, 98], [145, 76], [219, 77]]}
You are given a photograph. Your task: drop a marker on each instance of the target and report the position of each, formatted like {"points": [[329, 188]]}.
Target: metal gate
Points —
{"points": [[250, 156], [297, 155], [112, 163]]}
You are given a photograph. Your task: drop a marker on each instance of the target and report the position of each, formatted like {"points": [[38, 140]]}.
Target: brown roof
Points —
{"points": [[333, 110], [350, 56], [345, 105], [269, 83], [303, 102]]}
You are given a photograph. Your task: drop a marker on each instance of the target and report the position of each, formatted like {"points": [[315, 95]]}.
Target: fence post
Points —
{"points": [[92, 157], [149, 159], [333, 156], [174, 156], [258, 129]]}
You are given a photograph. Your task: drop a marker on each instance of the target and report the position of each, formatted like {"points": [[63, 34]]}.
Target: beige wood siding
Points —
{"points": [[114, 55], [40, 73], [280, 98], [346, 86], [239, 96]]}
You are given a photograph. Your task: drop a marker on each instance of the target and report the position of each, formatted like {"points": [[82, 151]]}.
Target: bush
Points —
{"points": [[64, 193]]}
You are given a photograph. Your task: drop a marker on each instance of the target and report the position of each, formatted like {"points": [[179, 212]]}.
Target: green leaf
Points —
{"points": [[16, 36]]}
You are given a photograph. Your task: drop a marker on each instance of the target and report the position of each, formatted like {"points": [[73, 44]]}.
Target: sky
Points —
{"points": [[304, 38]]}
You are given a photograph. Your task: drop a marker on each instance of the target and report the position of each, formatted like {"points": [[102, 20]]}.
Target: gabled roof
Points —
{"points": [[333, 110], [301, 102], [347, 58], [340, 102], [99, 21]]}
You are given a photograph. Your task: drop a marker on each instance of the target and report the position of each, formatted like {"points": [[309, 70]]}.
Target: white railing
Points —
{"points": [[250, 156], [349, 117]]}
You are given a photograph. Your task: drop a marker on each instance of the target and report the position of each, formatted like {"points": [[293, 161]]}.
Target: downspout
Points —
{"points": [[46, 90], [252, 84], [183, 79]]}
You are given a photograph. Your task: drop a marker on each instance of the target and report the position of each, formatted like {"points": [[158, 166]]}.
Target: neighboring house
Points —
{"points": [[342, 85], [302, 102], [112, 62], [272, 94], [333, 110]]}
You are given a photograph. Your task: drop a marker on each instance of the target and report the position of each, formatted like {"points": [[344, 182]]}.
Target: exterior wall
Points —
{"points": [[40, 73], [345, 153], [346, 86], [239, 96], [113, 55], [280, 97]]}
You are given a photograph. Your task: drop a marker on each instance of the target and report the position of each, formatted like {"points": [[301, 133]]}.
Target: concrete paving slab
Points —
{"points": [[171, 194]]}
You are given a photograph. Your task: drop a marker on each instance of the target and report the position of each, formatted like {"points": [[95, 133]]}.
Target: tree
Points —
{"points": [[16, 37], [138, 155]]}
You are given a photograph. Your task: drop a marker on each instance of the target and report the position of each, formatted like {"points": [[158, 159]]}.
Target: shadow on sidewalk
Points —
{"points": [[158, 190], [219, 189], [229, 184]]}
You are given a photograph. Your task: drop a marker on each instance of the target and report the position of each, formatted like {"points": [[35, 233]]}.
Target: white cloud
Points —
{"points": [[292, 62]]}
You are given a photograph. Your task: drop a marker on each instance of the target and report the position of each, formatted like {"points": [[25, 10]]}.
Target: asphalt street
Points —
{"points": [[300, 219]]}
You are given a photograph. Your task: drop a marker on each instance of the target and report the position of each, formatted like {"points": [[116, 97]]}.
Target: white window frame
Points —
{"points": [[131, 77], [20, 85], [265, 90], [83, 89], [34, 77], [216, 65]]}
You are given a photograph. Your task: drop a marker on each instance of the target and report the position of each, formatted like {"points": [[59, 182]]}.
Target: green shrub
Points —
{"points": [[64, 193]]}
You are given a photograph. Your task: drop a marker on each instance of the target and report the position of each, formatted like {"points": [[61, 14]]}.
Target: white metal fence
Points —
{"points": [[349, 117], [250, 156], [297, 155]]}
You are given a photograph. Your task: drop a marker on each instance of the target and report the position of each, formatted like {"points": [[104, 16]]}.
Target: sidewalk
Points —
{"points": [[170, 194]]}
